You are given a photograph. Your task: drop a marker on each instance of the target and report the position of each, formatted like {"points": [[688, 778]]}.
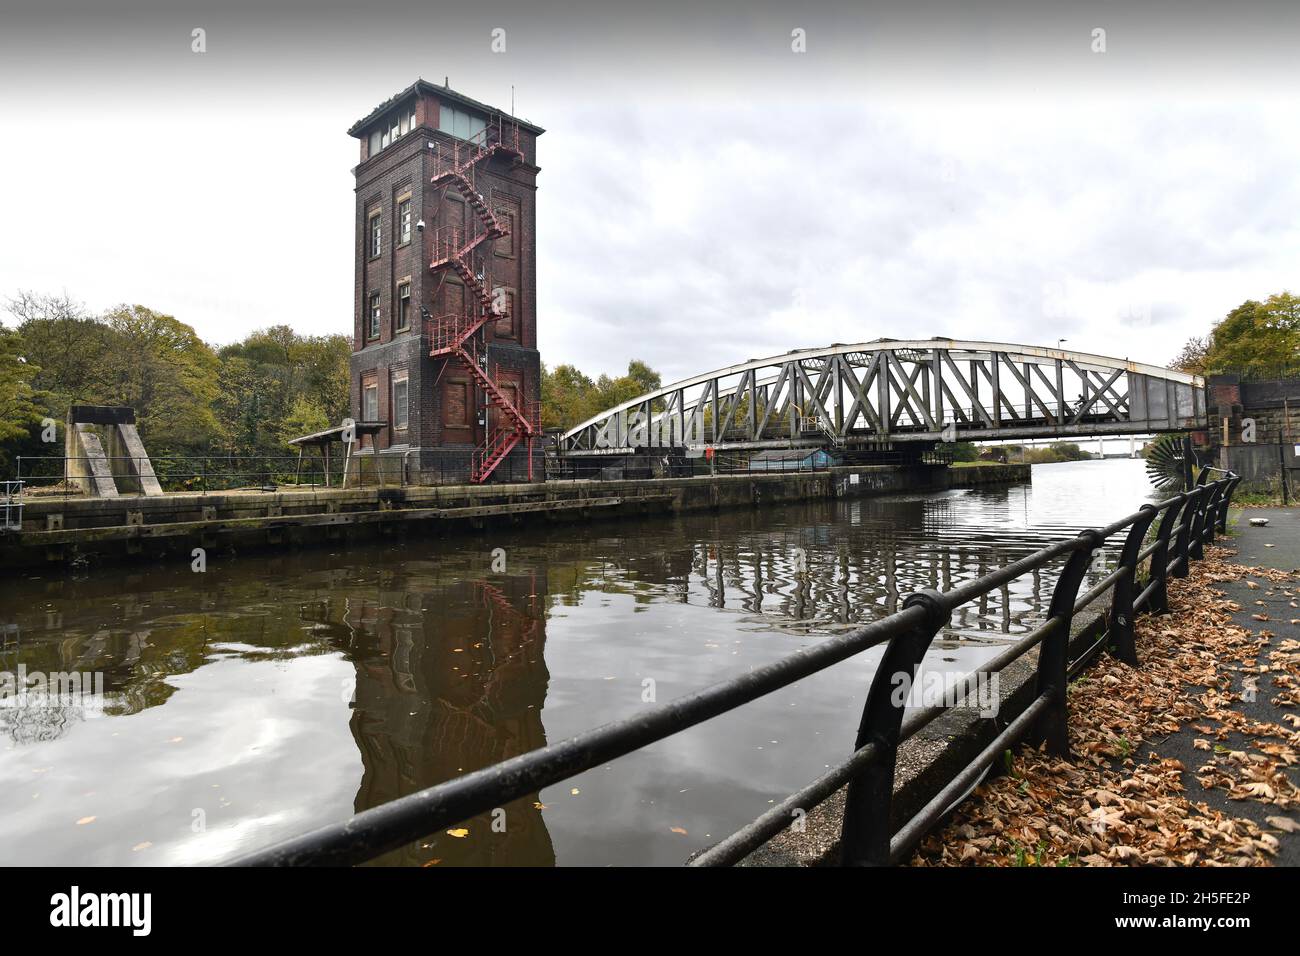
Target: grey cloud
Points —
{"points": [[706, 196]]}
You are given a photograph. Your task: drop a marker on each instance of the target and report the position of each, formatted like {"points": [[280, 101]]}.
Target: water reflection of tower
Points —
{"points": [[449, 682]]}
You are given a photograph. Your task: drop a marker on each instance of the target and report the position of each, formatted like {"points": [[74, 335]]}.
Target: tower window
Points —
{"points": [[370, 400], [399, 397], [404, 221], [376, 234], [460, 123], [392, 129], [403, 307], [372, 329]]}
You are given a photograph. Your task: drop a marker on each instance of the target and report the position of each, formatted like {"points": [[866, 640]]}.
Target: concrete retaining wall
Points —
{"points": [[69, 529]]}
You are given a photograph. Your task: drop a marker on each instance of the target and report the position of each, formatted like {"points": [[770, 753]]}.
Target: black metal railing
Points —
{"points": [[1263, 372], [1188, 521]]}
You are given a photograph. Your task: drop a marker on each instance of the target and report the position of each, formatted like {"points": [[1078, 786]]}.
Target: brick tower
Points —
{"points": [[445, 341]]}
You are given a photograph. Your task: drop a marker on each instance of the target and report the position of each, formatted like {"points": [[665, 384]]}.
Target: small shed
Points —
{"points": [[322, 440], [791, 459]]}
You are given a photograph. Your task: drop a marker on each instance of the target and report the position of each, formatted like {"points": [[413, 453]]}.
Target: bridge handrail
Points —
{"points": [[868, 837]]}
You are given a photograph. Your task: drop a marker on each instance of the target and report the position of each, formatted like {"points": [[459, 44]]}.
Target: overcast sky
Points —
{"points": [[707, 195]]}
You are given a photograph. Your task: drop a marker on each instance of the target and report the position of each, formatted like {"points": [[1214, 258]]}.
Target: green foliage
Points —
{"points": [[275, 381], [1253, 337], [1068, 451], [304, 418], [245, 400], [569, 397], [1058, 451], [965, 451], [1192, 358], [22, 406], [1264, 493], [67, 345], [161, 368]]}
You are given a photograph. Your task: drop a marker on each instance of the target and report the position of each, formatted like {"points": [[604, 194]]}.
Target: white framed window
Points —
{"points": [[393, 129], [399, 396], [404, 221], [376, 234], [376, 315], [370, 402]]}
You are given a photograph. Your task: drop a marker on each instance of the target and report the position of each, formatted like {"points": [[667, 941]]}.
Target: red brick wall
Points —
{"points": [[405, 166]]}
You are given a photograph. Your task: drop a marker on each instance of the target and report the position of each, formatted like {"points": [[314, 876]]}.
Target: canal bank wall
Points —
{"points": [[76, 530]]}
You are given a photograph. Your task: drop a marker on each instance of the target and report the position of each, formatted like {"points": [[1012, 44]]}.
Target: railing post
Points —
{"points": [[1211, 517], [1226, 502], [1196, 543], [1191, 509], [1120, 624], [1159, 603], [1211, 520], [867, 828], [1054, 651]]}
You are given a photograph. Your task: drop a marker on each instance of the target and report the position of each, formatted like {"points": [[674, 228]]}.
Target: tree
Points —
{"points": [[569, 397], [326, 377], [244, 401], [640, 378], [305, 417], [965, 451], [1192, 358], [264, 377], [644, 377], [66, 345], [22, 406], [166, 373], [1257, 336], [1056, 452]]}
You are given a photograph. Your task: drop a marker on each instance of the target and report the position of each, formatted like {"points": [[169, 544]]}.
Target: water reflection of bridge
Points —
{"points": [[814, 576]]}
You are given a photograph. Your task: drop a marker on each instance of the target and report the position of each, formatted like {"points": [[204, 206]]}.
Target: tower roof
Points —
{"points": [[444, 93]]}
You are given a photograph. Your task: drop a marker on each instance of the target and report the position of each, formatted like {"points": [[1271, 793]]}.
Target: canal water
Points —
{"points": [[273, 694]]}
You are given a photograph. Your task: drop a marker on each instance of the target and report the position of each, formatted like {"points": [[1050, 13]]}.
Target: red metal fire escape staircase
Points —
{"points": [[455, 336]]}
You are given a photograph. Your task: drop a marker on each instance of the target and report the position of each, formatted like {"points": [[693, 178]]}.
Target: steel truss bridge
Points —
{"points": [[884, 392]]}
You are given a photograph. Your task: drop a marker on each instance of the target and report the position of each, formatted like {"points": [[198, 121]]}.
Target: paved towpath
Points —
{"points": [[1277, 546]]}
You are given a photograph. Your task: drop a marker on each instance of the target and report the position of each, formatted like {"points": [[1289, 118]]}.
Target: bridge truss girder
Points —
{"points": [[890, 391]]}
